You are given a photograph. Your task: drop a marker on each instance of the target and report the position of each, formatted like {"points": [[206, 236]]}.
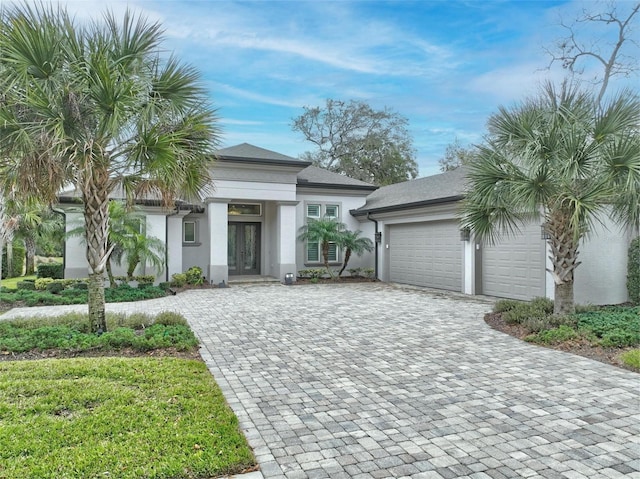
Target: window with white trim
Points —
{"points": [[189, 232], [316, 211]]}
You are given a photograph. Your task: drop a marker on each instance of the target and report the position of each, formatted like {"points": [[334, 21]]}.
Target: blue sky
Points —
{"points": [[445, 65]]}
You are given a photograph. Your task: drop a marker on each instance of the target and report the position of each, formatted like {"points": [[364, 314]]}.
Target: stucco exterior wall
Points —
{"points": [[345, 203], [602, 276], [196, 254]]}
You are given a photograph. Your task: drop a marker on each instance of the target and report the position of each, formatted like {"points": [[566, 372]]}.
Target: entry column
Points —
{"points": [[217, 214], [286, 247]]}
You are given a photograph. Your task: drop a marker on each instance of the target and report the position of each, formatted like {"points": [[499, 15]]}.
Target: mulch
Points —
{"points": [[580, 347]]}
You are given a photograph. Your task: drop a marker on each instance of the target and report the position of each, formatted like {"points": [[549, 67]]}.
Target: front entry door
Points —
{"points": [[244, 248]]}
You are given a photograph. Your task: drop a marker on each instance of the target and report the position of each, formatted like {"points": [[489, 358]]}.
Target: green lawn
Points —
{"points": [[129, 418], [13, 282]]}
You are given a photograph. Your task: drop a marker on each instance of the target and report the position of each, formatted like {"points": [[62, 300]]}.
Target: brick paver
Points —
{"points": [[371, 380]]}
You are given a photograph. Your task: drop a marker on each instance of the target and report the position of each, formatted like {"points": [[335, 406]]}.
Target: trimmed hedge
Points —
{"points": [[50, 270], [633, 271]]}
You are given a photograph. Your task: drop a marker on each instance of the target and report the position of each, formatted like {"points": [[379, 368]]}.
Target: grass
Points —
{"points": [[13, 282], [631, 358], [129, 418], [119, 417]]}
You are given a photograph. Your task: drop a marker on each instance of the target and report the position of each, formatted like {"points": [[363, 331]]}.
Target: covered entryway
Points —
{"points": [[515, 267], [426, 254], [243, 248]]}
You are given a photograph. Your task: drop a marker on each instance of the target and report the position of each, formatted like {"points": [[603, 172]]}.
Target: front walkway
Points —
{"points": [[370, 380]]}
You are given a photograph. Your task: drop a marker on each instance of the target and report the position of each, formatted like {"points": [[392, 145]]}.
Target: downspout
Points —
{"points": [[375, 238], [64, 238], [166, 243]]}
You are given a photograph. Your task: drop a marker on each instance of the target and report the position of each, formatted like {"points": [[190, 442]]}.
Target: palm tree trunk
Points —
{"points": [[10, 258], [563, 303], [564, 254], [112, 281], [96, 221], [347, 256], [325, 254], [30, 251]]}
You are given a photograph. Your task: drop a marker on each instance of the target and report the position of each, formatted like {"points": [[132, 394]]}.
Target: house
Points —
{"points": [[421, 243], [249, 224], [249, 221]]}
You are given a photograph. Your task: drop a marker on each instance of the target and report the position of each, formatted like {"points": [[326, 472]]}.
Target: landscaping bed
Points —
{"points": [[609, 334]]}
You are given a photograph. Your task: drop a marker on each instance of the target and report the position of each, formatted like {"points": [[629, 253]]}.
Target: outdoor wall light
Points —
{"points": [[379, 237], [465, 234], [288, 279]]}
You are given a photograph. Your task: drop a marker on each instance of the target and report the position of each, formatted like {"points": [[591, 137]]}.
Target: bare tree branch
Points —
{"points": [[571, 51]]}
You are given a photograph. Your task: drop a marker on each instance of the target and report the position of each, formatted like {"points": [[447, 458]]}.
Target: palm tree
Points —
{"points": [[34, 220], [323, 231], [146, 250], [565, 157], [353, 243], [95, 105]]}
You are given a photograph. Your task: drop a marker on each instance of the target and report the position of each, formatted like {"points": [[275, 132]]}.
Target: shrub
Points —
{"points": [[165, 285], [55, 287], [28, 285], [169, 318], [505, 305], [631, 358], [633, 271], [179, 280], [543, 304], [41, 283], [553, 336], [612, 327], [194, 275], [145, 279], [81, 286], [368, 273], [355, 272], [50, 270]]}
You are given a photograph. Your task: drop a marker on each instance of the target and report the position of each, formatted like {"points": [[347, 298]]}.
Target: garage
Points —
{"points": [[426, 254], [515, 267]]}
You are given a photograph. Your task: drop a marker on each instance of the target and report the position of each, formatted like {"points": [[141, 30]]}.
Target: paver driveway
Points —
{"points": [[372, 380]]}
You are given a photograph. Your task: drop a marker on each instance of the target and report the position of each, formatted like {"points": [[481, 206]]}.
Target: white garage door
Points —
{"points": [[515, 267], [426, 254]]}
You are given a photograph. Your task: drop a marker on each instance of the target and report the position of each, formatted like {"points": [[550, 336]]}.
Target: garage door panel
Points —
{"points": [[426, 254], [515, 267]]}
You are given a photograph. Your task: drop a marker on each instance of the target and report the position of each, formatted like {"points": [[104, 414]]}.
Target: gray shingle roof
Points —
{"points": [[319, 176], [245, 151], [430, 189]]}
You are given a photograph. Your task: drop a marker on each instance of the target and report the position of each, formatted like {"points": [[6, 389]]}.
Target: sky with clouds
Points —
{"points": [[445, 65]]}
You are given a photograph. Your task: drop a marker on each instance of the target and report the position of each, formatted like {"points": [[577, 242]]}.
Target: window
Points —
{"points": [[189, 232], [314, 252], [314, 249], [331, 211], [238, 209], [313, 211]]}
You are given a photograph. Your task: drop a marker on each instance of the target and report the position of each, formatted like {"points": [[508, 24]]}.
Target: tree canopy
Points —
{"points": [[565, 156], [94, 105], [353, 139]]}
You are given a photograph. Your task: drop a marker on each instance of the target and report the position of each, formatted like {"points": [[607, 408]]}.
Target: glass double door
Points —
{"points": [[244, 248]]}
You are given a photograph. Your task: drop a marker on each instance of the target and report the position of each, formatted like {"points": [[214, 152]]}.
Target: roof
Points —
{"points": [[442, 188], [315, 177], [253, 154]]}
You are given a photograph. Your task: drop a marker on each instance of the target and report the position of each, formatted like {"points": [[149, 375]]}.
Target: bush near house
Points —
{"points": [[50, 270]]}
